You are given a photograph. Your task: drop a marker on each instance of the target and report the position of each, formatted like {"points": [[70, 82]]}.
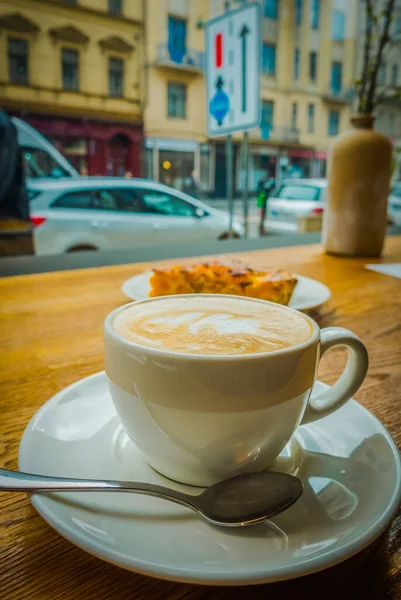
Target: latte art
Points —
{"points": [[212, 325]]}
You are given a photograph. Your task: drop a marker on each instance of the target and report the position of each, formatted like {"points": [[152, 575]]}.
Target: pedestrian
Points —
{"points": [[265, 186], [128, 175], [192, 187]]}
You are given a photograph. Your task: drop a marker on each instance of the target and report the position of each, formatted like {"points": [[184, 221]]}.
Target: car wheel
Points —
{"points": [[82, 248]]}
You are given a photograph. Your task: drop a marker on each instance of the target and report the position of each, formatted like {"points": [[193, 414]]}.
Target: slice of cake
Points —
{"points": [[274, 285]]}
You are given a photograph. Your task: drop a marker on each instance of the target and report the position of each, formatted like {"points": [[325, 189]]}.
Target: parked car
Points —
{"points": [[98, 213], [294, 198], [41, 158], [394, 204]]}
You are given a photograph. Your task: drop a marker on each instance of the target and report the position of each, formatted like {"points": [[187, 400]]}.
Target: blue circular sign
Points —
{"points": [[219, 106]]}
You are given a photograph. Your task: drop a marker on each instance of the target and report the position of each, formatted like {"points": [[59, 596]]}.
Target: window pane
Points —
{"points": [[336, 76], [338, 25], [315, 13], [313, 65], [270, 9], [129, 200], [176, 100], [164, 204], [81, 199], [298, 12], [115, 6], [269, 59], [334, 122], [311, 118], [298, 192], [38, 163], [266, 123], [116, 77], [104, 200], [394, 75], [70, 69], [177, 39], [18, 61], [296, 63], [294, 114]]}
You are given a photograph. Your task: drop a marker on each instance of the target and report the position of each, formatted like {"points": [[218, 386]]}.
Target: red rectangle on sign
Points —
{"points": [[219, 50]]}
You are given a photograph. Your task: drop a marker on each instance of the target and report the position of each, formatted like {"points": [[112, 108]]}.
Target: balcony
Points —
{"points": [[284, 134], [342, 96], [191, 61]]}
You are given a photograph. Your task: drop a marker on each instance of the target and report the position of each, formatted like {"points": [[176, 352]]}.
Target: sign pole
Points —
{"points": [[230, 186], [245, 163]]}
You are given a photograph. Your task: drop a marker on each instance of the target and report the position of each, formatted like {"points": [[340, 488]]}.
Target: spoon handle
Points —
{"points": [[16, 481]]}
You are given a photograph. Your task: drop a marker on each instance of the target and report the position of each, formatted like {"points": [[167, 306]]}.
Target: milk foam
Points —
{"points": [[212, 325]]}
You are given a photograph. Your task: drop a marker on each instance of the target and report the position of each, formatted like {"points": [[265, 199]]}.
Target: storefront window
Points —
{"points": [[261, 167], [149, 163], [205, 167], [175, 169]]}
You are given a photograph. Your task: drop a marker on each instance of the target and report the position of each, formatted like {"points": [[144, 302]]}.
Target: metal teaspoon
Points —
{"points": [[234, 502]]}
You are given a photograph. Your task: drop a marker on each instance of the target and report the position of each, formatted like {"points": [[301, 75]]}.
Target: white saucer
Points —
{"points": [[308, 293], [348, 463]]}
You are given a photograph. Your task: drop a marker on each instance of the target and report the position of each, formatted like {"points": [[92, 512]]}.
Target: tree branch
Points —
{"points": [[366, 55], [388, 13]]}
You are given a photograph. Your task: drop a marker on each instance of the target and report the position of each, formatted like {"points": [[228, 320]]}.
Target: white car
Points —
{"points": [[394, 204], [294, 198], [99, 213]]}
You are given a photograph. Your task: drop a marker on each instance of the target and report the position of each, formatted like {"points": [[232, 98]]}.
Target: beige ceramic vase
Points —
{"points": [[359, 172]]}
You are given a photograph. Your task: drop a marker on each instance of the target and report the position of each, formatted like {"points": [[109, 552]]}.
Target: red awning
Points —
{"points": [[321, 154], [299, 153]]}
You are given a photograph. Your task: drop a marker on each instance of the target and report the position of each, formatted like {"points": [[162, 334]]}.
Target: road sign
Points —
{"points": [[233, 47]]}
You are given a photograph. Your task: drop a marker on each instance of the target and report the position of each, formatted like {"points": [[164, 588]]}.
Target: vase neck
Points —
{"points": [[363, 121]]}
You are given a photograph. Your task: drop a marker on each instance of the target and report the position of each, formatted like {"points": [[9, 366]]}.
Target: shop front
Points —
{"points": [[300, 163], [93, 147], [181, 164]]}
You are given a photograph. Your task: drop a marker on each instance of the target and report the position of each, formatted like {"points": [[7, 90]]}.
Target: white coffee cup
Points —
{"points": [[200, 418]]}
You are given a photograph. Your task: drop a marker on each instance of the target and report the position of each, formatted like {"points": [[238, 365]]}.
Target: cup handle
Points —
{"points": [[350, 380]]}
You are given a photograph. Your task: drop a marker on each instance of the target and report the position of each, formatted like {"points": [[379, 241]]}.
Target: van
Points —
{"points": [[41, 158]]}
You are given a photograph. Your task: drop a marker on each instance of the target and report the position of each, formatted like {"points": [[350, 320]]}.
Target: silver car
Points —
{"points": [[98, 213], [294, 198]]}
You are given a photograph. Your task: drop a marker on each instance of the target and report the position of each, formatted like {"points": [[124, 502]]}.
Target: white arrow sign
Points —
{"points": [[233, 48]]}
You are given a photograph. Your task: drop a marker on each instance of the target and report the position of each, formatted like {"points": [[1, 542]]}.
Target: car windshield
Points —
{"points": [[38, 163], [298, 192]]}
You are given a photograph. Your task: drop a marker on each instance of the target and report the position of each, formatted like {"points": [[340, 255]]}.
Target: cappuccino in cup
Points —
{"points": [[212, 386], [222, 325]]}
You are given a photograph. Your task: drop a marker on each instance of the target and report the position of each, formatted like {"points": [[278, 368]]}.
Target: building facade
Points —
{"points": [[73, 70], [307, 81]]}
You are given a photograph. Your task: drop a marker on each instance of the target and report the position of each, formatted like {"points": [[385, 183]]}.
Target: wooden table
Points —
{"points": [[51, 335]]}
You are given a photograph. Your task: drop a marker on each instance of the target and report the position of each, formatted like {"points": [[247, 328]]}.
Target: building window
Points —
{"points": [[270, 9], [266, 123], [70, 69], [334, 122], [382, 74], [115, 6], [17, 61], [298, 12], [397, 28], [311, 118], [391, 124], [394, 75], [294, 115], [313, 66], [338, 25], [176, 100], [177, 39], [296, 63], [116, 77], [336, 77], [315, 13], [269, 59]]}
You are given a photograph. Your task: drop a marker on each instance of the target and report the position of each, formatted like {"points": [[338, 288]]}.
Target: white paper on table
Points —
{"points": [[393, 269]]}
